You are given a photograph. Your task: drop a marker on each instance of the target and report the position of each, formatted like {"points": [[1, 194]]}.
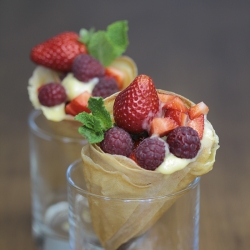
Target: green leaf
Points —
{"points": [[91, 135], [96, 105], [106, 46], [85, 35], [101, 48], [89, 121], [96, 123], [117, 33]]}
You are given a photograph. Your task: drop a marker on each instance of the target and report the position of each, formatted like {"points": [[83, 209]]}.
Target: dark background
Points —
{"points": [[199, 50]]}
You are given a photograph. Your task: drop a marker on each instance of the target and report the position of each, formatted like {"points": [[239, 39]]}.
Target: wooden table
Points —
{"points": [[198, 50]]}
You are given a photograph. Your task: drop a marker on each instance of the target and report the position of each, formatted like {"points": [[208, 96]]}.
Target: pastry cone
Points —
{"points": [[119, 177]]}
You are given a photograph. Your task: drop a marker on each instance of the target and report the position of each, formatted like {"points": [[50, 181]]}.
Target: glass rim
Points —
{"points": [[45, 134], [72, 184]]}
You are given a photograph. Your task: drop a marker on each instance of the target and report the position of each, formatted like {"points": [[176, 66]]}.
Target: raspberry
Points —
{"points": [[184, 142], [117, 141], [52, 94], [150, 153], [85, 67], [105, 87]]}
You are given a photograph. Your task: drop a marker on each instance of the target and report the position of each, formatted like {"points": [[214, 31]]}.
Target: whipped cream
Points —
{"points": [[172, 163]]}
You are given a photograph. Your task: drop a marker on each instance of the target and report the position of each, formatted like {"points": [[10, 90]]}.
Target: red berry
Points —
{"points": [[176, 103], [199, 109], [117, 141], [162, 126], [150, 153], [180, 118], [85, 67], [58, 52], [78, 104], [52, 94], [137, 105], [197, 124], [105, 87], [184, 142], [117, 74]]}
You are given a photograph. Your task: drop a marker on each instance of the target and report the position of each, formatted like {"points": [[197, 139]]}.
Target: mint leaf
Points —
{"points": [[96, 105], [96, 123], [85, 35], [89, 121], [117, 34], [91, 135], [101, 48], [106, 46]]}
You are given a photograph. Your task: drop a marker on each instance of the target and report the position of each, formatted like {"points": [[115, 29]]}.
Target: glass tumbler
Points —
{"points": [[177, 228], [53, 146]]}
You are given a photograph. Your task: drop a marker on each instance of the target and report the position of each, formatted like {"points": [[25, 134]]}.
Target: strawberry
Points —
{"points": [[175, 102], [164, 98], [162, 126], [197, 124], [117, 74], [137, 105], [197, 110], [180, 118], [58, 52], [78, 104], [132, 156]]}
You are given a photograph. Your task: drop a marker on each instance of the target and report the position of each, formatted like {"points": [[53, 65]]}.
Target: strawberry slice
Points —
{"points": [[162, 126], [78, 104], [175, 103], [58, 52], [132, 156], [137, 105], [197, 124], [164, 98], [180, 118], [116, 74], [197, 110]]}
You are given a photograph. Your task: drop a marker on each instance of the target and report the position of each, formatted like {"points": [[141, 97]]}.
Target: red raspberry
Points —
{"points": [[117, 141], [52, 94], [184, 142], [150, 153], [85, 67], [105, 87]]}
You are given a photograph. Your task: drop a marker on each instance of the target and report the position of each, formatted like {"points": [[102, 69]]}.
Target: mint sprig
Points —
{"points": [[96, 123], [107, 45]]}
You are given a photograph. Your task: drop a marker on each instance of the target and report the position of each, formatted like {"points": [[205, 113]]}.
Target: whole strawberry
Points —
{"points": [[137, 105], [58, 52]]}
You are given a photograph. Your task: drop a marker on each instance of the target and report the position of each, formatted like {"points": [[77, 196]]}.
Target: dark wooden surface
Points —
{"points": [[198, 50]]}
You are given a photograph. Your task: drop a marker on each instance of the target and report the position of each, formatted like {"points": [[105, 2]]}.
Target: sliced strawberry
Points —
{"points": [[197, 110], [175, 103], [165, 98], [137, 105], [162, 126], [78, 104], [180, 118], [197, 124], [132, 156], [117, 74]]}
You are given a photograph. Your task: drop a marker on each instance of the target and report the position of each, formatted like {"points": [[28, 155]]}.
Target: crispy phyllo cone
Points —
{"points": [[120, 177], [128, 67]]}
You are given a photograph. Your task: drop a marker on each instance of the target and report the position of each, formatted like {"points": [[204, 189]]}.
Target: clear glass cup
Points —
{"points": [[177, 228], [53, 146]]}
